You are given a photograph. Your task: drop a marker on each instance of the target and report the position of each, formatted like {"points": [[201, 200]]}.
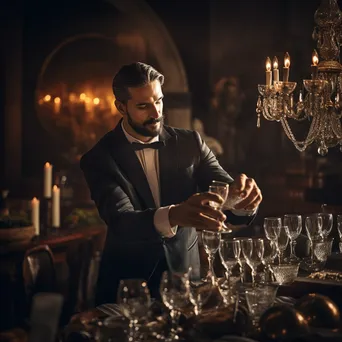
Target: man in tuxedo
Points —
{"points": [[150, 184]]}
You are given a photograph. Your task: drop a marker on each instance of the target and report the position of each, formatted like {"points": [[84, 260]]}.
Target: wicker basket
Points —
{"points": [[16, 234]]}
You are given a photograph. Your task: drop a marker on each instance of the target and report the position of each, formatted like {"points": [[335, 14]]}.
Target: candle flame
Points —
{"points": [[275, 63], [96, 101], [47, 165], [47, 98], [287, 60], [57, 100], [55, 188], [82, 96], [268, 64], [34, 199], [315, 59]]}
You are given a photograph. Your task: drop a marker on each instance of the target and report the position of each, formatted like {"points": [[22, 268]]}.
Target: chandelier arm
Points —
{"points": [[267, 110]]}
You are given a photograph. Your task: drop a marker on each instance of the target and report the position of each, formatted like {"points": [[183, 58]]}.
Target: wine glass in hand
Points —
{"points": [[221, 189]]}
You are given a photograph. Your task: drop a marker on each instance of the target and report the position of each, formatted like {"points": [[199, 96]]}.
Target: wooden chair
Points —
{"points": [[39, 273]]}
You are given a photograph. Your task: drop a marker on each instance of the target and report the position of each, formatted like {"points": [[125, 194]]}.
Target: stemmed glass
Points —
{"points": [[293, 224], [282, 243], [240, 259], [175, 294], [270, 253], [327, 223], [221, 189], [253, 251], [211, 243], [229, 252], [134, 300], [313, 226], [272, 228]]}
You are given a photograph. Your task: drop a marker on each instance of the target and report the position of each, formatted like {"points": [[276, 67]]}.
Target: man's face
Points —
{"points": [[143, 113]]}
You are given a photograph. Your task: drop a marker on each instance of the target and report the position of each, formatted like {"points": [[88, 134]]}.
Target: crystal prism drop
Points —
{"points": [[323, 151]]}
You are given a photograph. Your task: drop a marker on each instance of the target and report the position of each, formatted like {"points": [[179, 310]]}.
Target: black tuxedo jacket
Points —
{"points": [[124, 200]]}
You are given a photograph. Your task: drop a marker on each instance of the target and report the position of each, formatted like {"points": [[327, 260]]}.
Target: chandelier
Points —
{"points": [[319, 102]]}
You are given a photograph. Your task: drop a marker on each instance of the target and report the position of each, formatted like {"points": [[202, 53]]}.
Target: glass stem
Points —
{"points": [[211, 272], [132, 335], [312, 252], [253, 276], [242, 271], [174, 325]]}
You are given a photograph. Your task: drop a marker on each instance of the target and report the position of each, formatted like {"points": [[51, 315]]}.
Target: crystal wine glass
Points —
{"points": [[327, 223], [134, 300], [175, 294], [211, 243], [282, 242], [270, 253], [294, 228], [313, 226], [253, 251], [221, 189], [227, 251], [240, 258], [272, 228]]}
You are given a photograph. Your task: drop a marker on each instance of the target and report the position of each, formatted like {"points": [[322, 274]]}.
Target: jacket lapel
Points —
{"points": [[168, 168], [123, 153]]}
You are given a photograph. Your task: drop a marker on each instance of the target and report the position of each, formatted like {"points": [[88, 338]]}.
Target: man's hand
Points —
{"points": [[196, 212], [246, 192]]}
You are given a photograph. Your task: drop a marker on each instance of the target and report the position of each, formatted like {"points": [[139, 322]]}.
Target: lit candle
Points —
{"points": [[275, 70], [268, 72], [314, 66], [57, 105], [286, 69], [47, 180], [35, 215], [56, 216]]}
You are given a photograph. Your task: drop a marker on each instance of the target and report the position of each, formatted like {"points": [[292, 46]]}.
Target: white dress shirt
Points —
{"points": [[149, 160]]}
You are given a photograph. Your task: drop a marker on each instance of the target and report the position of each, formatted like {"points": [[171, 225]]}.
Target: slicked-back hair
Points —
{"points": [[134, 75]]}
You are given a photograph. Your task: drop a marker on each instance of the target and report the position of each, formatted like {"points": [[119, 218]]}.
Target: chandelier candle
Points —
{"points": [[286, 68], [275, 70], [314, 66], [268, 72]]}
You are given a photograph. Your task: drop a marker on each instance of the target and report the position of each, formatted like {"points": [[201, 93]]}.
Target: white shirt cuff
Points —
{"points": [[243, 212], [162, 223]]}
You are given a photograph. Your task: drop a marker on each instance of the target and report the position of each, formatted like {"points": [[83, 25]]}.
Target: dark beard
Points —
{"points": [[143, 130]]}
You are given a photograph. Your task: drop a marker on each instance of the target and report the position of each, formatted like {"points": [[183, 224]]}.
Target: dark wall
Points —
{"points": [[188, 23]]}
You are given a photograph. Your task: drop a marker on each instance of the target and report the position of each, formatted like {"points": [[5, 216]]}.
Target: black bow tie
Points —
{"points": [[155, 145]]}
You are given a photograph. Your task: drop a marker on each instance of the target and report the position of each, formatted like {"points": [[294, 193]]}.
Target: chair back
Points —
{"points": [[39, 273]]}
